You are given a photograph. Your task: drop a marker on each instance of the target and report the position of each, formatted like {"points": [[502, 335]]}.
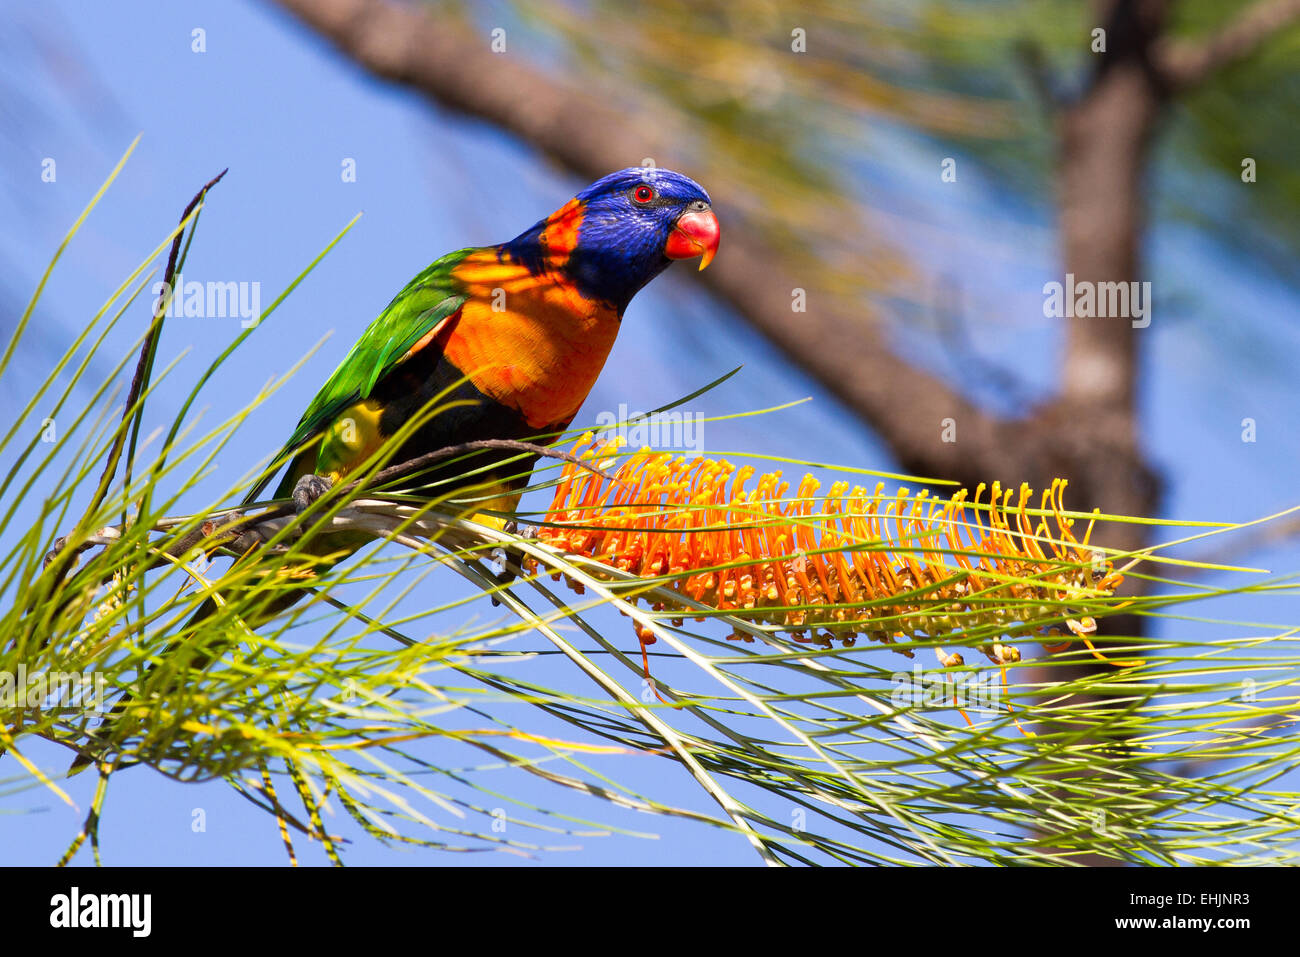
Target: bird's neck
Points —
{"points": [[600, 265]]}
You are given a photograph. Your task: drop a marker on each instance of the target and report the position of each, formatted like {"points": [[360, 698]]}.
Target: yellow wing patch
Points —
{"points": [[350, 439]]}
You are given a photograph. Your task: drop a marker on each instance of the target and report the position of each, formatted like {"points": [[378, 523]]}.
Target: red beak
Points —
{"points": [[695, 234]]}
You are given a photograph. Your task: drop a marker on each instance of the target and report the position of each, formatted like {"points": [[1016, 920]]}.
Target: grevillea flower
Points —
{"points": [[830, 569]]}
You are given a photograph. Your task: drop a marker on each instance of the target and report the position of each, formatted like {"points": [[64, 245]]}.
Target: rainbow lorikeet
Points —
{"points": [[518, 332]]}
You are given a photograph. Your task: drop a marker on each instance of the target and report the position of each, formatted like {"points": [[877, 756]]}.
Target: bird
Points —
{"points": [[506, 340], [510, 337]]}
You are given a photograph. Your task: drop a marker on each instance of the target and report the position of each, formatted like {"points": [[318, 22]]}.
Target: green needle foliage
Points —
{"points": [[420, 727]]}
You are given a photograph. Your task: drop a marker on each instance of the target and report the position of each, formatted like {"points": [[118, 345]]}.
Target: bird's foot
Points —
{"points": [[500, 560], [308, 490]]}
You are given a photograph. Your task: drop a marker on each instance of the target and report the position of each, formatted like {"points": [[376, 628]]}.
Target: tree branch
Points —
{"points": [[1187, 63]]}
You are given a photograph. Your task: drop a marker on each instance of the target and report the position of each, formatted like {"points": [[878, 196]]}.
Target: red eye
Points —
{"points": [[643, 194]]}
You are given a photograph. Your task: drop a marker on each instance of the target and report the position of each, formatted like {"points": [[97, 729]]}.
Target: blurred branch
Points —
{"points": [[1187, 63]]}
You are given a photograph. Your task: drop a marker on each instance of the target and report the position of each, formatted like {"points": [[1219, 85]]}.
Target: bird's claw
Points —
{"points": [[308, 489]]}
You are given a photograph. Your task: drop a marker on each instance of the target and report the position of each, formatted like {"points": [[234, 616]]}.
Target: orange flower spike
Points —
{"points": [[1064, 538], [879, 530], [719, 547], [678, 548], [594, 510], [916, 539], [979, 537], [622, 540], [718, 504], [702, 553], [897, 538], [935, 525], [1014, 546], [805, 592], [884, 512], [802, 505], [955, 514], [635, 479], [922, 530], [753, 541], [669, 516], [994, 511], [745, 517], [561, 498], [653, 543], [1028, 549], [894, 510], [1007, 544], [1067, 523], [873, 512], [846, 576], [906, 548], [694, 521], [851, 522], [738, 480], [1031, 546], [797, 569], [627, 480], [993, 514], [690, 476], [801, 510], [835, 507], [863, 560], [883, 557], [739, 547], [817, 559], [590, 487], [1016, 523], [787, 584], [910, 535], [773, 534], [735, 550], [1043, 531]]}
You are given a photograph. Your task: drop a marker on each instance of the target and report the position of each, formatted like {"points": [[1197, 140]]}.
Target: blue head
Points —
{"points": [[622, 231]]}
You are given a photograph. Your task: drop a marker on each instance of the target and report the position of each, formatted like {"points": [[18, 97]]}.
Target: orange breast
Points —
{"points": [[532, 343]]}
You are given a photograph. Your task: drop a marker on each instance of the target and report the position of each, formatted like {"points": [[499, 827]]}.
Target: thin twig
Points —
{"points": [[137, 386], [146, 355], [418, 463], [228, 528]]}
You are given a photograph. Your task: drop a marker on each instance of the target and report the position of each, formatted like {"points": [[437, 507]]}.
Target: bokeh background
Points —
{"points": [[823, 133]]}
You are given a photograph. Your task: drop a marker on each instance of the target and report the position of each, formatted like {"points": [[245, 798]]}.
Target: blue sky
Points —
{"points": [[283, 112]]}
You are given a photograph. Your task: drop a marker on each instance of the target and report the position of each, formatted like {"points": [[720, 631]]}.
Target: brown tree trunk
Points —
{"points": [[1103, 142]]}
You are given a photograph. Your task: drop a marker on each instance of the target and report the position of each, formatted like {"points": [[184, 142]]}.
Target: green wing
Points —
{"points": [[425, 301]]}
